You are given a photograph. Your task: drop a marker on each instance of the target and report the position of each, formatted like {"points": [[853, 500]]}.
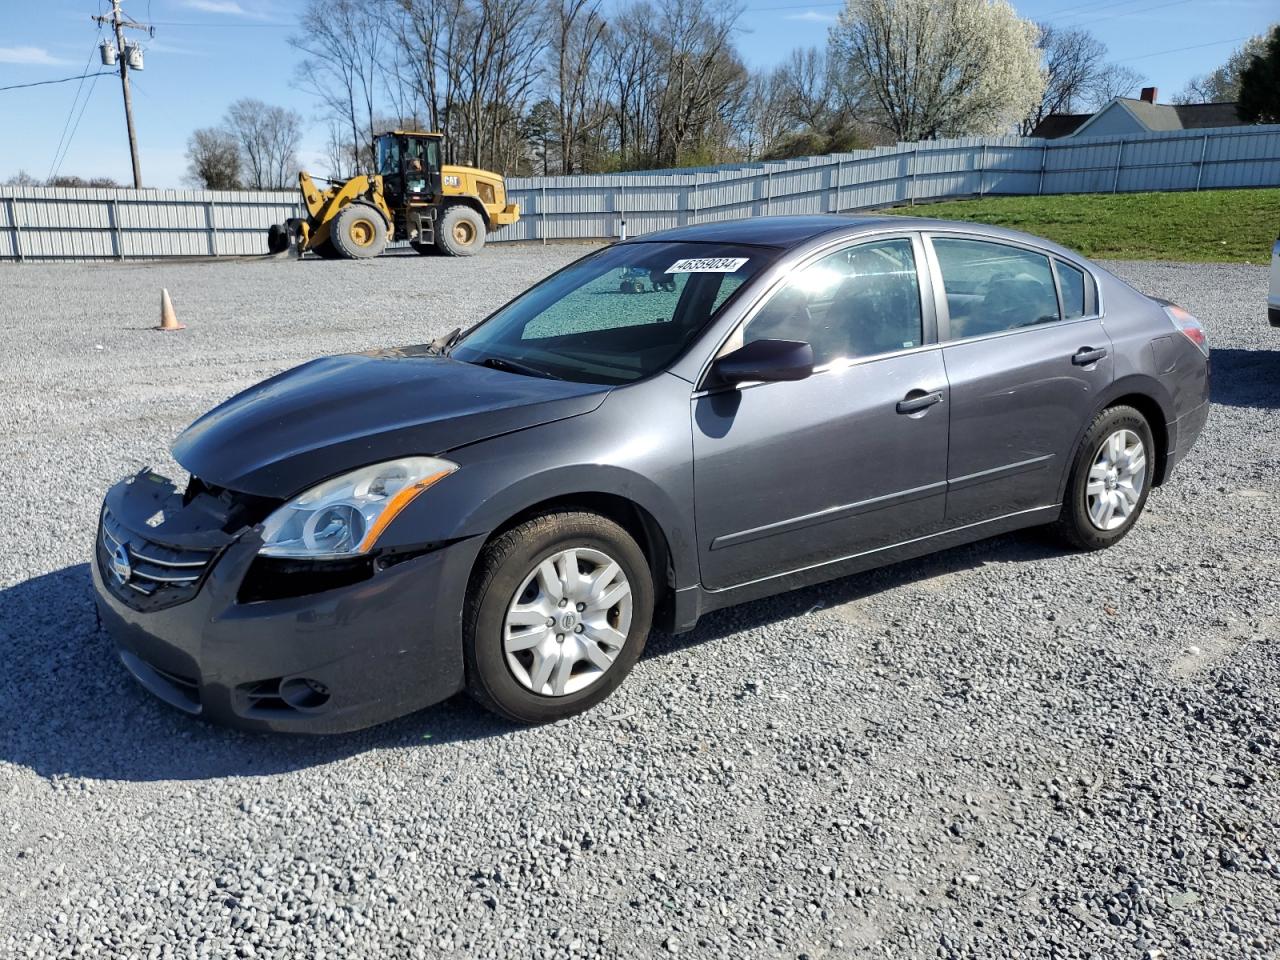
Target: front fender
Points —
{"points": [[637, 446]]}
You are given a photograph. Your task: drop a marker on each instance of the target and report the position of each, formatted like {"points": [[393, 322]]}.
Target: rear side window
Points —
{"points": [[991, 287], [1071, 283]]}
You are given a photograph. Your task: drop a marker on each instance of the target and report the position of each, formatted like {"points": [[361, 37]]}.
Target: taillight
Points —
{"points": [[1190, 327]]}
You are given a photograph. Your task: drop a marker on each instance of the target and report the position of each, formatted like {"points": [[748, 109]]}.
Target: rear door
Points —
{"points": [[797, 474], [1026, 358]]}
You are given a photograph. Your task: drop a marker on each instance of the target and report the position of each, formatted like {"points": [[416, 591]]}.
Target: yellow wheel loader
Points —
{"points": [[437, 209]]}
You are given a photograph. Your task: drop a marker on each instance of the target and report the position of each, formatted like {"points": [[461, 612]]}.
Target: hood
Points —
{"points": [[338, 413]]}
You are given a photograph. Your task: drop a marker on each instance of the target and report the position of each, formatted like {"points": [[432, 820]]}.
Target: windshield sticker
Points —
{"points": [[707, 265]]}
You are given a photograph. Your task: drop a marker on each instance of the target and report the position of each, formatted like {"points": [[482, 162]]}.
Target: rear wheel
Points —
{"points": [[359, 232], [460, 232], [1110, 480], [557, 615]]}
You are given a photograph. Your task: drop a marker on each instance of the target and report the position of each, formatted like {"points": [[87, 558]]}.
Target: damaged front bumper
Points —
{"points": [[170, 573]]}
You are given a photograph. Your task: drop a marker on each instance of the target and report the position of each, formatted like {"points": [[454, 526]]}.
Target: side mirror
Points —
{"points": [[766, 361]]}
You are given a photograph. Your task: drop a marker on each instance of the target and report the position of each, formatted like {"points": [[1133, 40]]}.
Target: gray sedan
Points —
{"points": [[668, 426]]}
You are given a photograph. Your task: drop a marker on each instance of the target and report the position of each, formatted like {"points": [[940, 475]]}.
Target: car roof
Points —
{"points": [[786, 232]]}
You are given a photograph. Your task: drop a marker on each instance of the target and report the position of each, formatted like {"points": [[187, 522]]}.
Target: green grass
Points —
{"points": [[1235, 226]]}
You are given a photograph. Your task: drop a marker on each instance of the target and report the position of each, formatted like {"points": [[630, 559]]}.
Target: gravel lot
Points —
{"points": [[999, 751]]}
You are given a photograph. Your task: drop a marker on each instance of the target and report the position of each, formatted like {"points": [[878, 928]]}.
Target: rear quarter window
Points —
{"points": [[1071, 282]]}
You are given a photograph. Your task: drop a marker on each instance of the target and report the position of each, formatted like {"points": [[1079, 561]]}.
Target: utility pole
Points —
{"points": [[121, 23]]}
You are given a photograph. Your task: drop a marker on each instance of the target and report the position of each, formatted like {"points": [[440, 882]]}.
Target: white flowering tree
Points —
{"points": [[932, 68]]}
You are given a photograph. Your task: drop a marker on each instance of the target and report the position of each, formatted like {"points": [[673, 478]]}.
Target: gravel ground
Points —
{"points": [[999, 751]]}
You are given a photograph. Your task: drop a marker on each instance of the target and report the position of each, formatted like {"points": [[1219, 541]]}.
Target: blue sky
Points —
{"points": [[207, 53]]}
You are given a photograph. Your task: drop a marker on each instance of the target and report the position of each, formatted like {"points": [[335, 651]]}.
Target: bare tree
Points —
{"points": [[926, 69], [1073, 60], [22, 179], [345, 44], [427, 34], [807, 88], [699, 78], [472, 67], [71, 180], [268, 138], [766, 123], [213, 159], [577, 44], [1113, 80], [630, 58]]}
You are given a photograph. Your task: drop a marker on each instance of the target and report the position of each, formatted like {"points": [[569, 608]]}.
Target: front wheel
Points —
{"points": [[359, 232], [460, 232], [557, 614], [1110, 480]]}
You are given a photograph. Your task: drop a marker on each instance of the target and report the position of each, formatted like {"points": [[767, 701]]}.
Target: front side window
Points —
{"points": [[992, 287], [615, 316], [388, 156], [857, 302]]}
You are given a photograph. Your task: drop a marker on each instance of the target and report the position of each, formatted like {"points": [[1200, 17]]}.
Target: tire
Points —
{"points": [[277, 238], [359, 232], [460, 232], [1093, 481], [507, 663]]}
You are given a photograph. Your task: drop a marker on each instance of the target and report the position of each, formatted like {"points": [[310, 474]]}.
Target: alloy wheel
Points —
{"points": [[1116, 479], [567, 622]]}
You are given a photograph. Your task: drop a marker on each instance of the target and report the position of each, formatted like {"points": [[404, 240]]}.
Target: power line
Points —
{"points": [[41, 83], [1127, 13], [87, 97], [1194, 46], [213, 23], [71, 113]]}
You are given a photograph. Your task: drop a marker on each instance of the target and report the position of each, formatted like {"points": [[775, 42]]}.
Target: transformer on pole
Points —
{"points": [[128, 56]]}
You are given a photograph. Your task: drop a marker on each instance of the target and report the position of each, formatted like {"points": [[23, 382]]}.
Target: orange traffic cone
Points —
{"points": [[168, 319]]}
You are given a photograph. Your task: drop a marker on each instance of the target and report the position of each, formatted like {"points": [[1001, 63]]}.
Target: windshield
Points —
{"points": [[616, 316]]}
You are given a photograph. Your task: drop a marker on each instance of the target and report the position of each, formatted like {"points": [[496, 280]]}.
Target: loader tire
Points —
{"points": [[461, 232], [359, 232]]}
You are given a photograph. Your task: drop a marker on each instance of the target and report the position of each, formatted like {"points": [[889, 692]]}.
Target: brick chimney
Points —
{"points": [[1148, 95]]}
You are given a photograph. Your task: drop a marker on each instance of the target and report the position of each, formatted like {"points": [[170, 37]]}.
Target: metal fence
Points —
{"points": [[66, 224], [562, 208], [38, 223]]}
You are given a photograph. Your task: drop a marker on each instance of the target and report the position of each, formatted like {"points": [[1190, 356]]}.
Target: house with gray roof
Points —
{"points": [[1144, 115]]}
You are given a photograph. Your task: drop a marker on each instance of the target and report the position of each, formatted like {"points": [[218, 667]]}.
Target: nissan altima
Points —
{"points": [[669, 425]]}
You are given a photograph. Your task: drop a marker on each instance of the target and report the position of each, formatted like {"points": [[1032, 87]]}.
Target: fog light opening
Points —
{"points": [[303, 693]]}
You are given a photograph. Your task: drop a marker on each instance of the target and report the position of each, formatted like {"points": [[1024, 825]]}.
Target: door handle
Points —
{"points": [[1087, 355], [915, 401]]}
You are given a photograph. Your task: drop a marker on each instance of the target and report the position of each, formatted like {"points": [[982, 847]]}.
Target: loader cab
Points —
{"points": [[409, 163]]}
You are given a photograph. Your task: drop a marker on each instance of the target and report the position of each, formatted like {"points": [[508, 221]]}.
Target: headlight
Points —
{"points": [[344, 517]]}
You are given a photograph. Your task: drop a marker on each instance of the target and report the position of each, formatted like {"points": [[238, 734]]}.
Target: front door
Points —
{"points": [[797, 474], [1026, 357]]}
